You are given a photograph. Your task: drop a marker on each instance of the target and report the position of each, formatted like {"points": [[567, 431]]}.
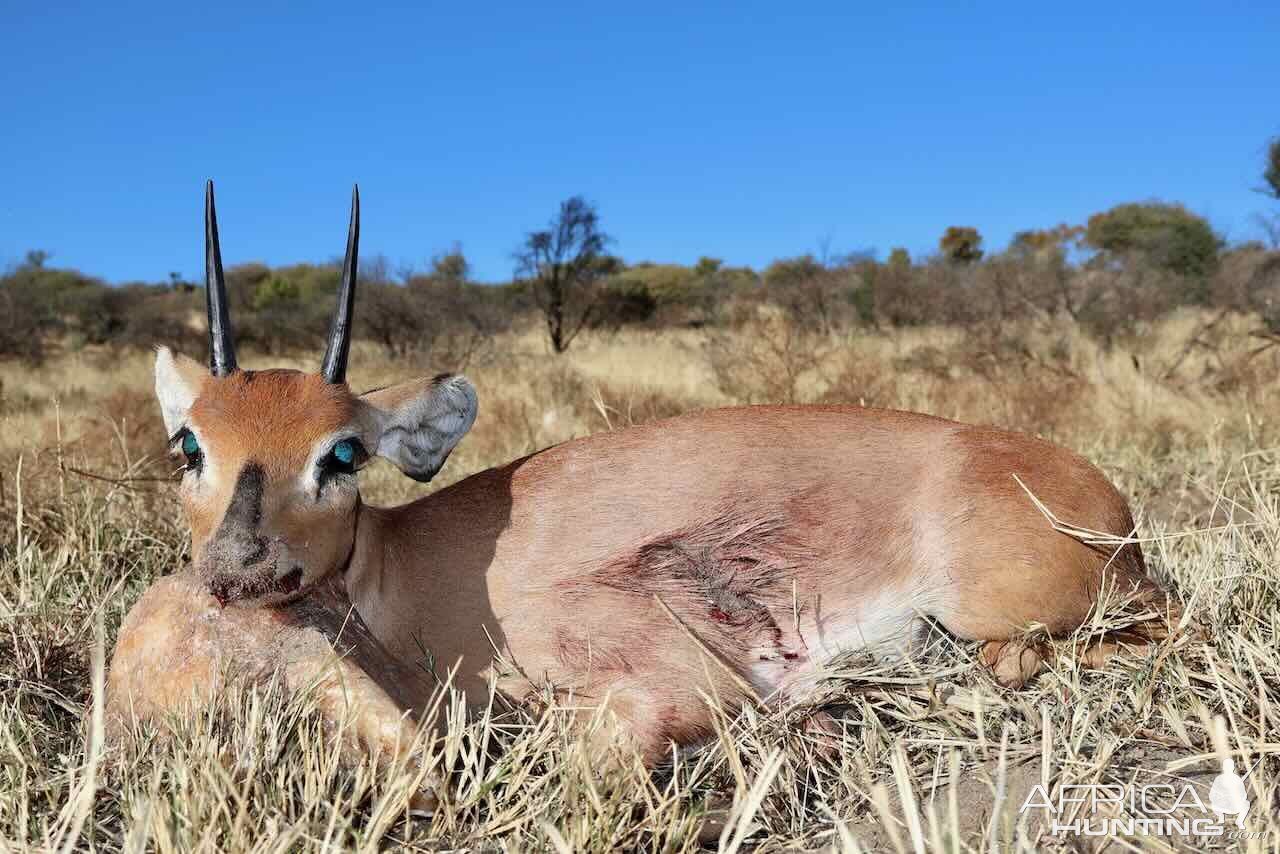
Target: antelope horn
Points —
{"points": [[222, 351], [334, 367]]}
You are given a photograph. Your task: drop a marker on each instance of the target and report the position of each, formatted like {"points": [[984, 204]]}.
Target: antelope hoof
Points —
{"points": [[1012, 662]]}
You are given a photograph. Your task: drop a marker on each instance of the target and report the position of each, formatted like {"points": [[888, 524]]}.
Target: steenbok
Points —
{"points": [[728, 553]]}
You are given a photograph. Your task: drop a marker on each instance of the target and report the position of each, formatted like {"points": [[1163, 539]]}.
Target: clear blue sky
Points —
{"points": [[743, 131]]}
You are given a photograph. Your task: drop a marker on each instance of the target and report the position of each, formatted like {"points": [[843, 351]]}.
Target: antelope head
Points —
{"points": [[270, 457]]}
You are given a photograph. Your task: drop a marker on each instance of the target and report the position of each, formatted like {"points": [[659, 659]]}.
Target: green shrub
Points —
{"points": [[1166, 236]]}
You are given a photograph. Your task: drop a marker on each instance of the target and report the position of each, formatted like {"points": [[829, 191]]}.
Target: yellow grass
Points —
{"points": [[932, 755]]}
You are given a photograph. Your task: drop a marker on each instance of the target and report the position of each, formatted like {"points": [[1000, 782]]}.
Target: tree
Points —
{"points": [[1168, 236], [450, 319], [961, 244], [562, 267], [707, 267], [451, 268], [789, 272], [35, 259], [276, 292], [390, 316], [1270, 222], [1045, 244], [820, 297], [1271, 170], [281, 318]]}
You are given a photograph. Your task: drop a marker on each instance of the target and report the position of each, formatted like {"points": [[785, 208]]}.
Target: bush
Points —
{"points": [[1248, 281], [768, 359], [1150, 259], [1165, 236], [453, 321], [24, 321], [961, 244], [820, 298]]}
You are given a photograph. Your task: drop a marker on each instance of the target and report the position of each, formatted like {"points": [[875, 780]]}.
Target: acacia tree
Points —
{"points": [[562, 266]]}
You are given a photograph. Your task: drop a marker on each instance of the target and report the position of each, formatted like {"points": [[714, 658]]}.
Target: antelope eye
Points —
{"points": [[344, 452], [344, 457], [187, 442]]}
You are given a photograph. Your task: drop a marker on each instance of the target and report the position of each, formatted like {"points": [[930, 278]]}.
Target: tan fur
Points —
{"points": [[272, 419], [178, 651], [729, 552], [274, 415]]}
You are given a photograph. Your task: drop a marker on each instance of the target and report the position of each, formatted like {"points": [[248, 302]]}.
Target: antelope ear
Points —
{"points": [[420, 421], [178, 381]]}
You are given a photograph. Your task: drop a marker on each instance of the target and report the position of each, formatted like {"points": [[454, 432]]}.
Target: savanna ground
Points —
{"points": [[1183, 414]]}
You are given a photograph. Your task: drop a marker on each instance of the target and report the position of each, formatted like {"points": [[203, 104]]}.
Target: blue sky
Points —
{"points": [[742, 131]]}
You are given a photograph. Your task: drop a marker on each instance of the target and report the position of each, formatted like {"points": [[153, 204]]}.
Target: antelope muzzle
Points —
{"points": [[239, 562]]}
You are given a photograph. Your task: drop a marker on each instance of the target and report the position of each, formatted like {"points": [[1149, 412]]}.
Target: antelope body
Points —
{"points": [[735, 550]]}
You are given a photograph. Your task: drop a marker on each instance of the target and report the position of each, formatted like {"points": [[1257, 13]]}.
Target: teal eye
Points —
{"points": [[190, 447], [343, 458], [344, 452]]}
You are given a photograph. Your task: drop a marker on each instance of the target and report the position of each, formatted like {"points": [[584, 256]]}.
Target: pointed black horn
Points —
{"points": [[222, 352], [334, 367]]}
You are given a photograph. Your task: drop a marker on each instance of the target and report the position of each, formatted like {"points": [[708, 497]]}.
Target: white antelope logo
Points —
{"points": [[769, 538]]}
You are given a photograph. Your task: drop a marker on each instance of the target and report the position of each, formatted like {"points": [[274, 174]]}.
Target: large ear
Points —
{"points": [[421, 420], [178, 381]]}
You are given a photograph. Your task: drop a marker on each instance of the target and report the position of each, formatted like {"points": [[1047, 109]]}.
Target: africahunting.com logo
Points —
{"points": [[1163, 809]]}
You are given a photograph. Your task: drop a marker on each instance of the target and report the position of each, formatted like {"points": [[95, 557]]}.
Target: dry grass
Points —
{"points": [[932, 755]]}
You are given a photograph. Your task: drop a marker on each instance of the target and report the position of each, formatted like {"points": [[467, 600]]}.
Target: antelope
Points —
{"points": [[730, 552]]}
